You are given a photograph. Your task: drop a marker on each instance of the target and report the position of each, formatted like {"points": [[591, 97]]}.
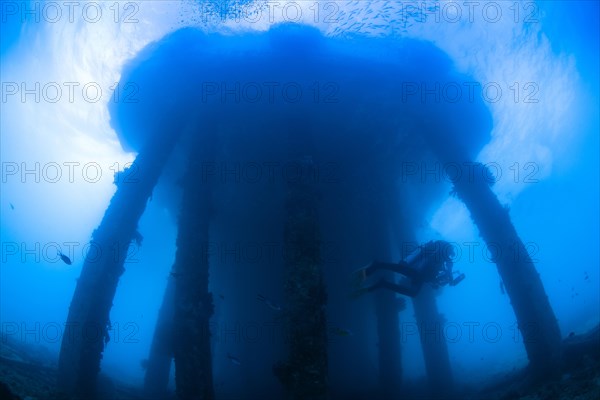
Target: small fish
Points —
{"points": [[342, 331], [233, 359], [65, 259], [222, 297], [586, 276], [144, 364], [271, 304], [502, 287], [11, 206], [571, 334]]}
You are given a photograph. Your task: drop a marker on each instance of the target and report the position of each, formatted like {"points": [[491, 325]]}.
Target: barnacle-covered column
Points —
{"points": [[158, 369], [387, 308], [535, 317], [87, 323], [193, 302], [433, 343], [304, 374], [447, 136], [387, 304]]}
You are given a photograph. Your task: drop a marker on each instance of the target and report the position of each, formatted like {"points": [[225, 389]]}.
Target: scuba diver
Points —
{"points": [[429, 263]]}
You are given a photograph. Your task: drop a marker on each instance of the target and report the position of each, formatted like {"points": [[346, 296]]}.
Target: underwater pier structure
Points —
{"points": [[535, 318], [158, 370], [435, 350], [193, 302], [304, 373], [367, 133], [88, 319], [387, 304]]}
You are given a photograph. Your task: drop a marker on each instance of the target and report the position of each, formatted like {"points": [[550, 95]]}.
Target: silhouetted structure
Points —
{"points": [[185, 60], [161, 355], [88, 321], [433, 342], [387, 303], [193, 302], [535, 317], [304, 374]]}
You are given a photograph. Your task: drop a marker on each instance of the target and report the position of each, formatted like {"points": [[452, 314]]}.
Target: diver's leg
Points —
{"points": [[410, 291], [360, 276], [400, 268]]}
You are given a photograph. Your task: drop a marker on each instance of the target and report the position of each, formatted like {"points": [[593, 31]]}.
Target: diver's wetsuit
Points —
{"points": [[431, 265]]}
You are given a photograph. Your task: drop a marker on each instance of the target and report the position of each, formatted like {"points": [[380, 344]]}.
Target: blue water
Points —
{"points": [[355, 66]]}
